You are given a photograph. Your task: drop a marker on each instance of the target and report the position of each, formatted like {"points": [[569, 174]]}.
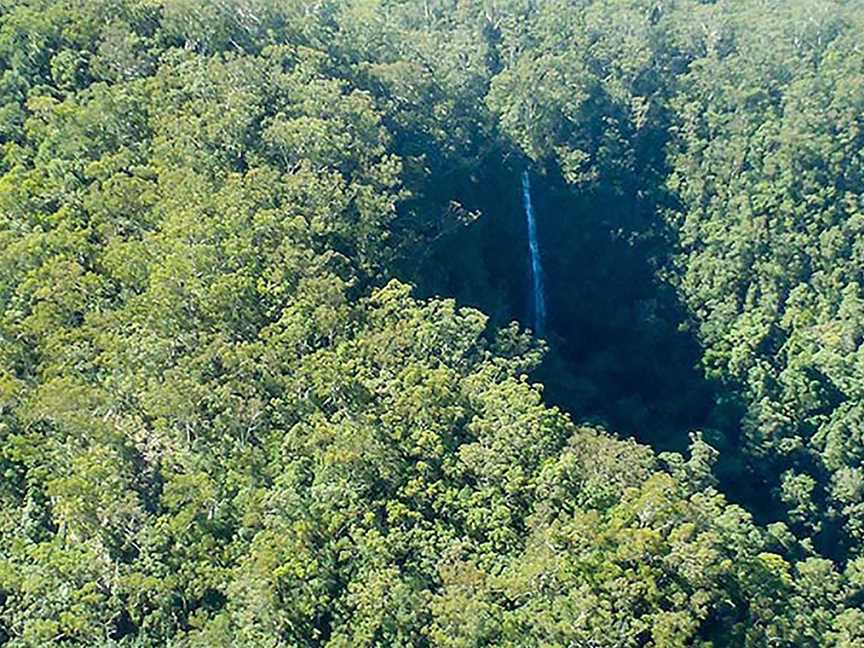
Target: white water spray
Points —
{"points": [[537, 290]]}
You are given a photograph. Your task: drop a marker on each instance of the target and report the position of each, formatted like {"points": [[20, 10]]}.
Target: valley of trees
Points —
{"points": [[267, 377]]}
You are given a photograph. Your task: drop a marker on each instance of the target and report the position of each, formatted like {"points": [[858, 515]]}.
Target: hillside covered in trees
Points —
{"points": [[268, 376]]}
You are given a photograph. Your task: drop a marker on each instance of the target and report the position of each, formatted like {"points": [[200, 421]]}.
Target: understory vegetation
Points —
{"points": [[267, 373]]}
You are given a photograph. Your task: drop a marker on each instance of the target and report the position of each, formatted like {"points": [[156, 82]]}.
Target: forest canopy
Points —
{"points": [[268, 372]]}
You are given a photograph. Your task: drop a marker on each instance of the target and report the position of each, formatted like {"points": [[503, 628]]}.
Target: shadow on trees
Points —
{"points": [[622, 353]]}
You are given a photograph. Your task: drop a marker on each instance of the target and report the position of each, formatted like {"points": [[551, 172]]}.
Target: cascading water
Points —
{"points": [[538, 296]]}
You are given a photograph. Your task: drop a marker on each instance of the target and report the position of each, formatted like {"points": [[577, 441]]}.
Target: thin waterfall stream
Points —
{"points": [[538, 296]]}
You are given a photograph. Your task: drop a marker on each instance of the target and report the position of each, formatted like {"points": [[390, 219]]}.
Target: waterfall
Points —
{"points": [[538, 298]]}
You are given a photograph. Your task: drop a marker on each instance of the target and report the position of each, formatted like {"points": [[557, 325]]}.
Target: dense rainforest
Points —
{"points": [[269, 371]]}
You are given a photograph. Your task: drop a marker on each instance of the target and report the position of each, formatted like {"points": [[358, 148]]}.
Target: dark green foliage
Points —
{"points": [[769, 147], [228, 419]]}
